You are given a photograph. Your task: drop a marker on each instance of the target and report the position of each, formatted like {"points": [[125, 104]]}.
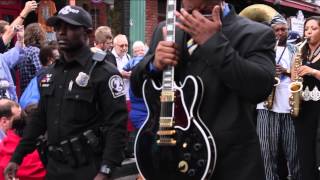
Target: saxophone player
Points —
{"points": [[307, 122], [274, 125]]}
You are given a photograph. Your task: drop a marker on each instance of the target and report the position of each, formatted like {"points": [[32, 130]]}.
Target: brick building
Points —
{"points": [[138, 18]]}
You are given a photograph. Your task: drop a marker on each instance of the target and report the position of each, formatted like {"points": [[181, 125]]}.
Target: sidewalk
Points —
{"points": [[128, 170]]}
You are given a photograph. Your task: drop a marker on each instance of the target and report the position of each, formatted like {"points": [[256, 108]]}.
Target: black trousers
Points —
{"points": [[62, 171]]}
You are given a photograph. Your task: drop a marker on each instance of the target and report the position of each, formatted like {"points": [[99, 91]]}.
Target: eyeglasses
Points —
{"points": [[122, 45]]}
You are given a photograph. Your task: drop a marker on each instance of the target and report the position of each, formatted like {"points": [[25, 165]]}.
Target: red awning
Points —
{"points": [[299, 4]]}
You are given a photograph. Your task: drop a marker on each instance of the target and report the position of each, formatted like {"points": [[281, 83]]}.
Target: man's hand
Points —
{"points": [[281, 70], [125, 74], [101, 176], [29, 6], [10, 171], [166, 54], [199, 27], [20, 36]]}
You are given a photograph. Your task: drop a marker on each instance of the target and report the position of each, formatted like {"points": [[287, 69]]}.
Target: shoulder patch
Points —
{"points": [[46, 80], [116, 86]]}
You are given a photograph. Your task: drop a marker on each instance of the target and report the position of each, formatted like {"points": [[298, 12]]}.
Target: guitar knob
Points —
{"points": [[197, 146], [191, 172], [187, 156], [183, 166], [201, 162]]}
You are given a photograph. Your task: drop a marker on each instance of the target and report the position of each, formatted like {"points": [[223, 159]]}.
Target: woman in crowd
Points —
{"points": [[48, 54], [34, 39], [138, 112], [307, 123]]}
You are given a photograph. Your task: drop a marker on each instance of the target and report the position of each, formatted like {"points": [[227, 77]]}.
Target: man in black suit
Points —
{"points": [[234, 57]]}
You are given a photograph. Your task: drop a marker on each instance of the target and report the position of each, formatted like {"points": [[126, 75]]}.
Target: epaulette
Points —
{"points": [[99, 56]]}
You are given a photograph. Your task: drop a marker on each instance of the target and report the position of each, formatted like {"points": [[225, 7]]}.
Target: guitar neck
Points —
{"points": [[166, 121], [168, 73]]}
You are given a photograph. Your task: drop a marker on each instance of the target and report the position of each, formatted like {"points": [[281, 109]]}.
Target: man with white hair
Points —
{"points": [[138, 49], [120, 51]]}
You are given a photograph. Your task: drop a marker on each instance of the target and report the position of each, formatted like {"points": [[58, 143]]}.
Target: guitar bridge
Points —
{"points": [[166, 132], [166, 142]]}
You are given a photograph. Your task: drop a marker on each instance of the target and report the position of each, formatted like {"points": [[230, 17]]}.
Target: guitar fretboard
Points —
{"points": [[166, 121], [168, 73]]}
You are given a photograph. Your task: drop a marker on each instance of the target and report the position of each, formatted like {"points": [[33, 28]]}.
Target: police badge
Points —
{"points": [[82, 79]]}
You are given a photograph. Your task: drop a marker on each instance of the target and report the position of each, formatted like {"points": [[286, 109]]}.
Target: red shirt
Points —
{"points": [[31, 167]]}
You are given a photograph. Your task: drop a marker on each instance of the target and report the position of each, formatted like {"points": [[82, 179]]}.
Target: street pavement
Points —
{"points": [[128, 170]]}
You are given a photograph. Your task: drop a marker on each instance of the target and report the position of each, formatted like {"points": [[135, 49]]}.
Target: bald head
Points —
{"points": [[9, 111], [6, 106]]}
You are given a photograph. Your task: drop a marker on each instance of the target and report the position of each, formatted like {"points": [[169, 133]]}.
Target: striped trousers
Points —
{"points": [[276, 129]]}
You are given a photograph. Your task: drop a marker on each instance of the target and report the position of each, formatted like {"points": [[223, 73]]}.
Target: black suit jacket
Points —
{"points": [[237, 68]]}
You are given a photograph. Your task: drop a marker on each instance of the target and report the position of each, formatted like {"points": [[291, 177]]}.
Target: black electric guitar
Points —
{"points": [[173, 143]]}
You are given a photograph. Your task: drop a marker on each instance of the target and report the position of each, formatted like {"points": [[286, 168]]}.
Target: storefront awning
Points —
{"points": [[298, 4]]}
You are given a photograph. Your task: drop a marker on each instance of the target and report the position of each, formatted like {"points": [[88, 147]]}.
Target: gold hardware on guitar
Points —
{"points": [[183, 166], [296, 85]]}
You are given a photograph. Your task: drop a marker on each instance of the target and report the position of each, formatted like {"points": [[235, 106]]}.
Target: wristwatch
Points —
{"points": [[105, 169]]}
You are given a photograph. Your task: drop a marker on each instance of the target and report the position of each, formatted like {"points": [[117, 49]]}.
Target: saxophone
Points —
{"points": [[296, 85], [269, 102]]}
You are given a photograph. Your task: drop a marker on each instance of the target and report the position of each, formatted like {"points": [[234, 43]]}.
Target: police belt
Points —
{"points": [[75, 151]]}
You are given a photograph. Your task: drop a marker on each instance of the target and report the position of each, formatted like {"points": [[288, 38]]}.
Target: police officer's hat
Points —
{"points": [[74, 15]]}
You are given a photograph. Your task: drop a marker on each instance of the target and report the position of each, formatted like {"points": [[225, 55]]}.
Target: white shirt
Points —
{"points": [[282, 93], [121, 61]]}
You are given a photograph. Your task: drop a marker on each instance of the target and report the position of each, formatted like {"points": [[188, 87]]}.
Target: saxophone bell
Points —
{"points": [[295, 98], [295, 87]]}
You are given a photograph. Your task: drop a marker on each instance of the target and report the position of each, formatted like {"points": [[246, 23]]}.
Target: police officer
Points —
{"points": [[82, 108]]}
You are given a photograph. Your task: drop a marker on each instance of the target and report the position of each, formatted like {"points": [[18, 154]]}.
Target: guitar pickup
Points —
{"points": [[166, 125], [166, 122], [167, 96], [166, 142], [166, 132]]}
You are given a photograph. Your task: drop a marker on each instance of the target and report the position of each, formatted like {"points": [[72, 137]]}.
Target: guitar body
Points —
{"points": [[193, 155]]}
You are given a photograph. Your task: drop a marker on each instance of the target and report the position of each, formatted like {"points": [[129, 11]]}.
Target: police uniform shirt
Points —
{"points": [[66, 109]]}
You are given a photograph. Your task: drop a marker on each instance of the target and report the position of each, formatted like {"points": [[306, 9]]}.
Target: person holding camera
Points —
{"points": [[8, 60], [8, 31]]}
